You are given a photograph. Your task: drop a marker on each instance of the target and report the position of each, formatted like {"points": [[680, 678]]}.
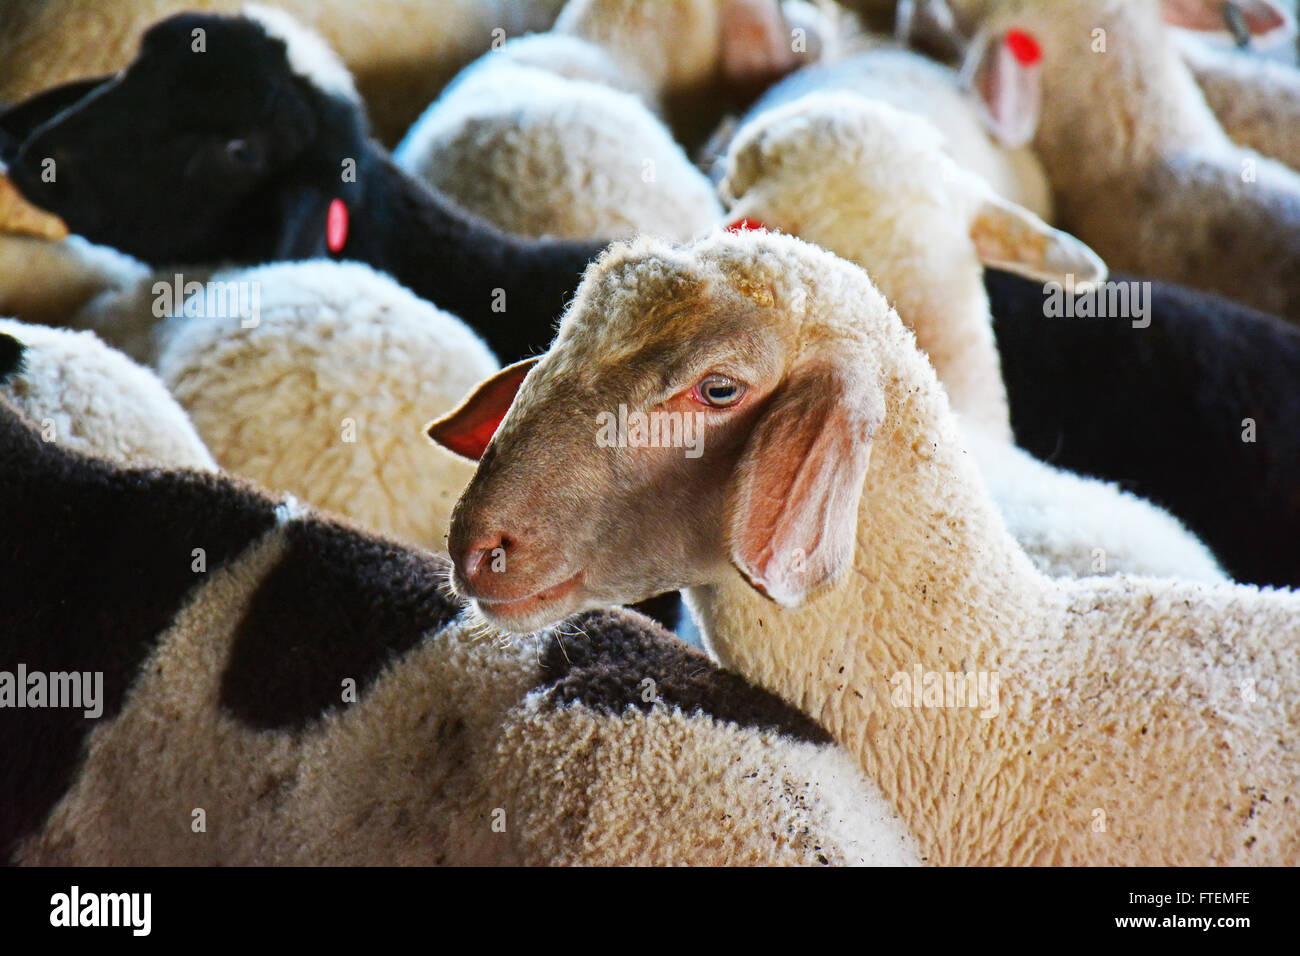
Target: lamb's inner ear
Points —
{"points": [[1263, 21], [1003, 72], [467, 429], [792, 507], [1012, 238]]}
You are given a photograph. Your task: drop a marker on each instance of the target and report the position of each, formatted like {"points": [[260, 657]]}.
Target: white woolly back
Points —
{"points": [[309, 56], [544, 150], [327, 394], [567, 56], [92, 399]]}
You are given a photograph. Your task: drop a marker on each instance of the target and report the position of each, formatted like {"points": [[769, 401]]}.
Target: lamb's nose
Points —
{"points": [[484, 559]]}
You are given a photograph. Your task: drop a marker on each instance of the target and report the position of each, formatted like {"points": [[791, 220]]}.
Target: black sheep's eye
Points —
{"points": [[719, 391], [241, 154]]}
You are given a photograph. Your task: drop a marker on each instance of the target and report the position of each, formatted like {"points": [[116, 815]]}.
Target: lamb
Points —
{"points": [[543, 154], [91, 399], [1151, 181], [321, 390], [551, 135], [873, 185], [1120, 720], [917, 85], [296, 179], [1197, 411], [311, 695], [400, 52]]}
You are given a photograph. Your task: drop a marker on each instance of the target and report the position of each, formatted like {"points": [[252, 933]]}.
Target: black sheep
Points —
{"points": [[1163, 410], [216, 146]]}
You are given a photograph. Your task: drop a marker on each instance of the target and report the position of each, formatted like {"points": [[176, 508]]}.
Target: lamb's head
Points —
{"points": [[874, 185], [1259, 22], [184, 155], [703, 409]]}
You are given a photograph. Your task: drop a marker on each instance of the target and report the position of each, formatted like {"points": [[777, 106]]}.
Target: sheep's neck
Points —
{"points": [[937, 587], [953, 328]]}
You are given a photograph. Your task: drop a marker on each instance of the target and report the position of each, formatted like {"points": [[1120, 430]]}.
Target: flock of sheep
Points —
{"points": [[984, 313]]}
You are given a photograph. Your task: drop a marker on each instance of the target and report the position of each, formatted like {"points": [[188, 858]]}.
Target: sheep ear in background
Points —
{"points": [[1012, 238], [1002, 70], [467, 429], [21, 120], [792, 508], [1262, 23], [756, 43]]}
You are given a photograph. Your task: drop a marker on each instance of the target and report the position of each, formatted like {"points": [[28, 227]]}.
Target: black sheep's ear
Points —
{"points": [[20, 120], [304, 213]]}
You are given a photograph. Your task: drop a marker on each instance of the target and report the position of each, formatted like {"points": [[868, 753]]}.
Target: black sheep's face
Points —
{"points": [[176, 159]]}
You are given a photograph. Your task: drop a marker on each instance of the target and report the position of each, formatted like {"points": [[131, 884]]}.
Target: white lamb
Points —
{"points": [[841, 549], [557, 134], [89, 398], [873, 185], [324, 390], [1139, 165], [977, 135]]}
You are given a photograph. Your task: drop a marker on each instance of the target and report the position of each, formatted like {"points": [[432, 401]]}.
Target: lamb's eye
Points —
{"points": [[239, 157], [240, 152], [719, 391]]}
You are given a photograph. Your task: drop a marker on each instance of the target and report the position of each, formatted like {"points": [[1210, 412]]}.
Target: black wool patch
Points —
{"points": [[95, 561], [1165, 411], [339, 606], [606, 666]]}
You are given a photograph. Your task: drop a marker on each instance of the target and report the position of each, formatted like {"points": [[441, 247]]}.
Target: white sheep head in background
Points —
{"points": [[1001, 59], [872, 184]]}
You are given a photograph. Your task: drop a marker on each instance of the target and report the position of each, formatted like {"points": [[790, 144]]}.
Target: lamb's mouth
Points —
{"points": [[530, 606]]}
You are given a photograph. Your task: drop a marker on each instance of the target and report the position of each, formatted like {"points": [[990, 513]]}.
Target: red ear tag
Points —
{"points": [[1024, 47], [336, 227], [746, 225]]}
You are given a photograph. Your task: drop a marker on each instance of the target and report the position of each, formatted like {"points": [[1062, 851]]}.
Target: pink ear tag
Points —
{"points": [[1024, 48], [746, 225], [336, 227]]}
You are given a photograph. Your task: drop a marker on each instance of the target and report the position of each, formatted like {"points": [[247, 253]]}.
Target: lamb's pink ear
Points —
{"points": [[792, 507], [756, 44], [1263, 21], [467, 429], [1002, 69]]}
